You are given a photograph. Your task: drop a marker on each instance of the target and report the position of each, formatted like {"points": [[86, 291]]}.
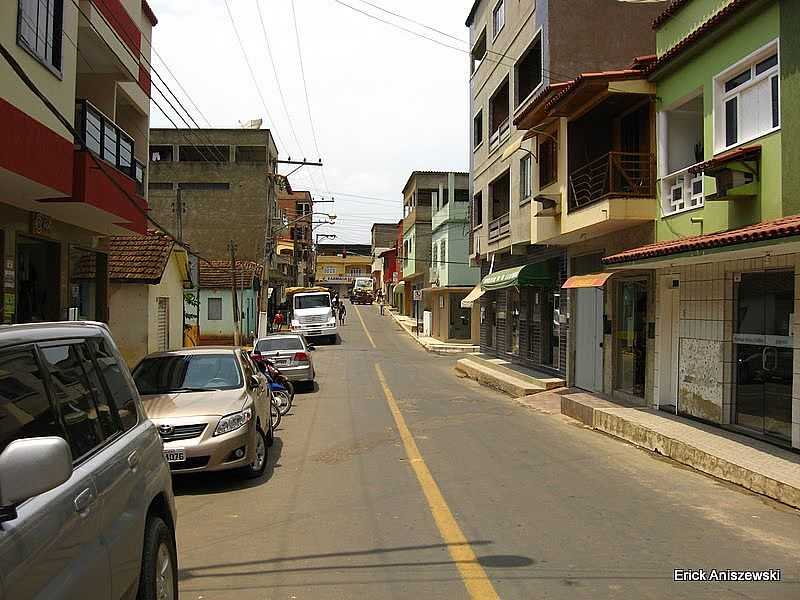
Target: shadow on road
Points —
{"points": [[226, 481], [254, 567]]}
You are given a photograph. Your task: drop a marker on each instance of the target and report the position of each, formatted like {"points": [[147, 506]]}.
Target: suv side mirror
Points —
{"points": [[29, 467]]}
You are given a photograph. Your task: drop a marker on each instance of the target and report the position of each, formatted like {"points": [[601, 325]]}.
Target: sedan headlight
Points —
{"points": [[234, 421]]}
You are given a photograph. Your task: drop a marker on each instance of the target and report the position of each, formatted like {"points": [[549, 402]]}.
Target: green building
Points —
{"points": [[725, 260]]}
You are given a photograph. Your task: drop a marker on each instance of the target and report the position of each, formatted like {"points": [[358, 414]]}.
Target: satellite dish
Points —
{"points": [[251, 124]]}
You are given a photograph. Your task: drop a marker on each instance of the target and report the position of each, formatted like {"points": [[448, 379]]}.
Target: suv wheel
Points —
{"points": [[159, 577]]}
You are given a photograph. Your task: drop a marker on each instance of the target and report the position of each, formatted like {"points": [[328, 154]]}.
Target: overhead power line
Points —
{"points": [[252, 72], [423, 25]]}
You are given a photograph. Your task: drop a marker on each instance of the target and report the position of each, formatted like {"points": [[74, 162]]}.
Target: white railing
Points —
{"points": [[499, 135], [682, 190]]}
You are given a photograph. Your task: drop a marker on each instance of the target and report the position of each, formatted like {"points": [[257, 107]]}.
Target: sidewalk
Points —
{"points": [[750, 463], [430, 344]]}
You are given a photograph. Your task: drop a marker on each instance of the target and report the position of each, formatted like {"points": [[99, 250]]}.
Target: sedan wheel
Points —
{"points": [[259, 464], [165, 582]]}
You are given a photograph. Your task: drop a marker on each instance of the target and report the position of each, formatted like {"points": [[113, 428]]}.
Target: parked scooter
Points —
{"points": [[282, 388]]}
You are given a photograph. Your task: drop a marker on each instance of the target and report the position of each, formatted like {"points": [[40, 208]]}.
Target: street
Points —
{"points": [[348, 509]]}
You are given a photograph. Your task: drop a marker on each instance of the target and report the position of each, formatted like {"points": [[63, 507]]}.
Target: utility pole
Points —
{"points": [[237, 336]]}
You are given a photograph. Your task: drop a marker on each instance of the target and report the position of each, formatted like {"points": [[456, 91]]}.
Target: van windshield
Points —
{"points": [[316, 301]]}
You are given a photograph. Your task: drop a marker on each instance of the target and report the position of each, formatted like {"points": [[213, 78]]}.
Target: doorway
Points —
{"points": [[589, 339], [490, 320], [513, 321], [550, 322], [764, 354], [460, 325], [631, 338], [38, 280], [669, 314]]}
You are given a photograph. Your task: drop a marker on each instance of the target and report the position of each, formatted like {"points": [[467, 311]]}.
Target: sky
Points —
{"points": [[383, 102]]}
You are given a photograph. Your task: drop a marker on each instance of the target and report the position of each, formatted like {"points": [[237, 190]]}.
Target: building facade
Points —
{"points": [[452, 276], [61, 195], [216, 309], [294, 240], [148, 275], [211, 186], [338, 265], [725, 262], [544, 45]]}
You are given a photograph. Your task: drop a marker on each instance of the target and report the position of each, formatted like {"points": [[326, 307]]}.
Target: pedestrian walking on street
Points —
{"points": [[342, 313], [278, 321]]}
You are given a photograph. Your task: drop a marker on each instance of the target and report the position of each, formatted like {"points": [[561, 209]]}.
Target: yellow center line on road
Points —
{"points": [[472, 574], [364, 325]]}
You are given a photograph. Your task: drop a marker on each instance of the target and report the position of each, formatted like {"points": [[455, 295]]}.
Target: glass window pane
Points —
{"points": [[776, 118], [118, 385], [731, 122], [767, 64], [25, 410], [735, 82], [215, 309], [74, 399]]}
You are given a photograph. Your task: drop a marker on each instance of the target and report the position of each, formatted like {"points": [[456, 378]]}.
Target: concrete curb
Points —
{"points": [[489, 377], [604, 418]]}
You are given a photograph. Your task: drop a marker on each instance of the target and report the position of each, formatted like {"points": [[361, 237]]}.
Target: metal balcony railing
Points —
{"points": [[500, 227], [107, 140], [618, 174]]}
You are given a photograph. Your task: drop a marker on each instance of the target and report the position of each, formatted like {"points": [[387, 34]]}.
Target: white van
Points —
{"points": [[312, 315]]}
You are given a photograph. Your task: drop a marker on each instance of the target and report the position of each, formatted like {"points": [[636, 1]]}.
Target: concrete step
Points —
{"points": [[540, 380], [492, 377]]}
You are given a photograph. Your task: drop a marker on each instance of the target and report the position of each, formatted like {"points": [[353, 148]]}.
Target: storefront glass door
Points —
{"points": [[513, 321], [763, 347], [460, 324], [631, 337]]}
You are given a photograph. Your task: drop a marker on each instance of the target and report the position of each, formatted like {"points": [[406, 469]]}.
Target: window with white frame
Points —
{"points": [[525, 177], [329, 270], [498, 17], [748, 102], [443, 252]]}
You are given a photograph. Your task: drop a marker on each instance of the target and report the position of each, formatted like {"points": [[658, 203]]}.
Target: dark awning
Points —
{"points": [[536, 274]]}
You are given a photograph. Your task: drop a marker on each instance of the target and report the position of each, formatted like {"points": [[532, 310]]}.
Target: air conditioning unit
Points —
{"points": [[728, 179]]}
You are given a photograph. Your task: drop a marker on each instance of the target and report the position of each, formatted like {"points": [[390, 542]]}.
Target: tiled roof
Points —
{"points": [[216, 274], [584, 77], [708, 26], [768, 230], [538, 101], [138, 258], [148, 12], [672, 8], [743, 153]]}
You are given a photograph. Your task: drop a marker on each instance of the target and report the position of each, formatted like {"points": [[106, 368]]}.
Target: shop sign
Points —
{"points": [[40, 224]]}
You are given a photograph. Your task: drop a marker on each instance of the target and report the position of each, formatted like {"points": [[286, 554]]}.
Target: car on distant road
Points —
{"points": [[290, 353], [86, 504], [211, 406]]}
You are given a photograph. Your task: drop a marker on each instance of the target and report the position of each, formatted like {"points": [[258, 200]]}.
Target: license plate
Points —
{"points": [[282, 362], [175, 455]]}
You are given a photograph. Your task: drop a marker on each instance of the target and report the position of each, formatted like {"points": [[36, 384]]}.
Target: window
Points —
{"points": [[478, 52], [25, 410], [748, 104], [461, 196], [159, 186], [498, 17], [279, 343], [443, 252], [548, 161], [204, 153], [445, 197], [39, 26], [161, 153], [499, 110], [525, 177], [477, 209], [528, 72], [251, 154], [88, 418], [119, 387], [215, 309], [329, 270], [205, 185]]}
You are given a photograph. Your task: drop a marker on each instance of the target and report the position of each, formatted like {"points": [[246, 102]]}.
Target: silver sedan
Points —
{"points": [[289, 352]]}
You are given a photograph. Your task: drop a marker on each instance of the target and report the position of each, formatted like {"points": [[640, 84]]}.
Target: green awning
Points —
{"points": [[536, 274]]}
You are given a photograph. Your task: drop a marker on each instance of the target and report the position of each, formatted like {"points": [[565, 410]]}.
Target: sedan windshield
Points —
{"points": [[320, 301], [281, 343], [187, 373]]}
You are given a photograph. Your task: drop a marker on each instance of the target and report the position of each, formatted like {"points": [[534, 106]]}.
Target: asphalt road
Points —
{"points": [[529, 504]]}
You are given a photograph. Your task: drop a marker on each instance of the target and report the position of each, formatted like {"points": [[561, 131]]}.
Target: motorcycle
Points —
{"points": [[282, 388]]}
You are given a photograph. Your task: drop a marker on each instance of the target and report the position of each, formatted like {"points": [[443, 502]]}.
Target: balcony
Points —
{"points": [[419, 214], [106, 175], [499, 135], [614, 175], [682, 191], [500, 227]]}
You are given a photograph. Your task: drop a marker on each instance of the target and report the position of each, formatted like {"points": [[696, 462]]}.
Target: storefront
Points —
{"points": [[724, 335], [524, 313]]}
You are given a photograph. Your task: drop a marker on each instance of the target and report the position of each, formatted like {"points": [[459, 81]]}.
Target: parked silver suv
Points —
{"points": [[86, 504]]}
